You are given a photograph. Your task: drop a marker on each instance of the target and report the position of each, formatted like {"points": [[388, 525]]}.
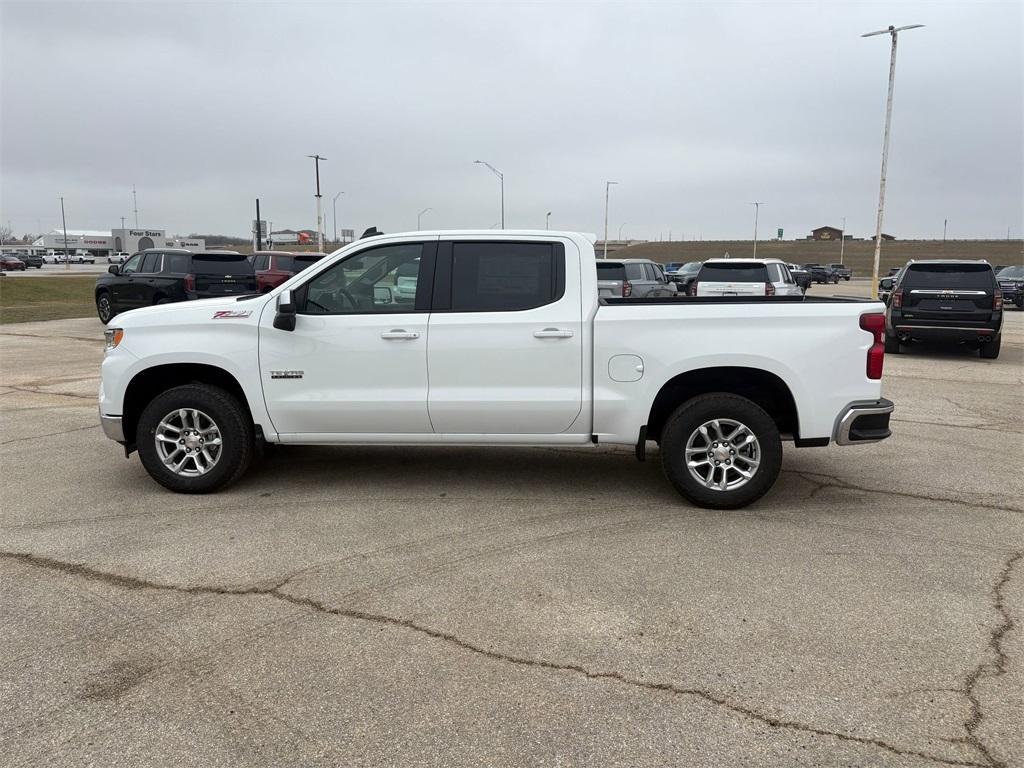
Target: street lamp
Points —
{"points": [[893, 32], [547, 221], [64, 222], [334, 208], [501, 177], [420, 216], [620, 230], [757, 209], [607, 187], [319, 207], [842, 241]]}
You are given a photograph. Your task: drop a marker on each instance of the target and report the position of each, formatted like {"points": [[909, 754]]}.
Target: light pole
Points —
{"points": [[893, 32], [547, 221], [64, 222], [420, 216], [944, 223], [757, 209], [842, 241], [620, 230], [319, 206], [334, 208], [135, 205], [501, 178], [607, 186]]}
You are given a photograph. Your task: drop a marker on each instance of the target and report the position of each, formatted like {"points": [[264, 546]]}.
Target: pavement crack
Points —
{"points": [[48, 434], [32, 391], [274, 590], [821, 481], [995, 666]]}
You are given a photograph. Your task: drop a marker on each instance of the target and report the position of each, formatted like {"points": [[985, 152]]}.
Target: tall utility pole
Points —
{"points": [[757, 209], [842, 241], [620, 230], [420, 216], [501, 178], [607, 186], [334, 208], [135, 206], [319, 205], [547, 220], [257, 243], [893, 32], [122, 222], [64, 222], [944, 223]]}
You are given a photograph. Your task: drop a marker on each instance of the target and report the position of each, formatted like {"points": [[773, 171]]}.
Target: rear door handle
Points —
{"points": [[552, 333], [398, 333]]}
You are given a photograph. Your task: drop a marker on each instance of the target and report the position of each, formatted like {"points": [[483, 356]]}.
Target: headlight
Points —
{"points": [[112, 337]]}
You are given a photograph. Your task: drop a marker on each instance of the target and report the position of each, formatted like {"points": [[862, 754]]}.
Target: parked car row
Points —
{"points": [[166, 275]]}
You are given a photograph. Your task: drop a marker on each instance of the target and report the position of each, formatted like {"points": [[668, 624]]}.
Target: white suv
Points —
{"points": [[744, 277]]}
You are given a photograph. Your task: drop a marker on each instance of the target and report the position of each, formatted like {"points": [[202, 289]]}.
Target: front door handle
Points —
{"points": [[399, 333], [552, 333]]}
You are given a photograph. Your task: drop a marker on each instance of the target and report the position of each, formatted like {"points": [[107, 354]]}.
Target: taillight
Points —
{"points": [[769, 289], [875, 324], [627, 289], [997, 300], [190, 282], [897, 299]]}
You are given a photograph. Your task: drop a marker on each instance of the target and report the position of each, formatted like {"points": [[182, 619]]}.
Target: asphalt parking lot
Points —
{"points": [[457, 607]]}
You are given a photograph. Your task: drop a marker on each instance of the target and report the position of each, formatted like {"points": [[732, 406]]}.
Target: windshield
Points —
{"points": [[964, 276], [734, 273], [221, 264], [610, 271]]}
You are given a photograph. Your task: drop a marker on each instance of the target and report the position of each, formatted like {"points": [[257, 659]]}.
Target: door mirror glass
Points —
{"points": [[382, 295], [885, 282], [114, 269], [284, 320]]}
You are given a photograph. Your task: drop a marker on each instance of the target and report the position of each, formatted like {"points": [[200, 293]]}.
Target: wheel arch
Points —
{"points": [[150, 382], [763, 387]]}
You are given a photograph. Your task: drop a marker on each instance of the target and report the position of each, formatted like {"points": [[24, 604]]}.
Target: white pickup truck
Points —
{"points": [[504, 341]]}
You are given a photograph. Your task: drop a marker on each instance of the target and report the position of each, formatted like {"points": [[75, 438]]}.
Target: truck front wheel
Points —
{"points": [[195, 438], [721, 451]]}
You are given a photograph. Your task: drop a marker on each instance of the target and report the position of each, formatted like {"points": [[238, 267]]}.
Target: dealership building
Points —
{"points": [[100, 243]]}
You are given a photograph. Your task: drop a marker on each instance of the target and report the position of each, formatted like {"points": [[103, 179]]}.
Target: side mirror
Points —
{"points": [[885, 283], [114, 269], [382, 295], [284, 320]]}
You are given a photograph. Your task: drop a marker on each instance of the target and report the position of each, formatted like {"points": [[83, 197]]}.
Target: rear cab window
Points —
{"points": [[975, 277], [733, 273]]}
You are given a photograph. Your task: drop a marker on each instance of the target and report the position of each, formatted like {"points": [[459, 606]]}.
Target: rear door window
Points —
{"points": [[733, 273], [176, 263], [503, 277], [635, 272], [977, 277], [151, 263]]}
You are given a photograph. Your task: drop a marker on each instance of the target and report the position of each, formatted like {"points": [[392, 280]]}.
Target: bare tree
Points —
{"points": [[6, 234]]}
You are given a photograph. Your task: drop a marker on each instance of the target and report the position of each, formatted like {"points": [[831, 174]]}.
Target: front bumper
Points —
{"points": [[866, 422], [112, 427]]}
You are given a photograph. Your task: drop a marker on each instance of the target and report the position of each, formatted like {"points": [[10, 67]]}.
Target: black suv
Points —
{"points": [[1011, 283], [945, 301], [821, 273], [163, 275]]}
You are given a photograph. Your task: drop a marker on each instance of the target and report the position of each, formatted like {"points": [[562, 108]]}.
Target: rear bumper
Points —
{"points": [[866, 422], [946, 332]]}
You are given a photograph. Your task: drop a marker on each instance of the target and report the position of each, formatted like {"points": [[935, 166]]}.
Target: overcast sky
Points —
{"points": [[696, 109]]}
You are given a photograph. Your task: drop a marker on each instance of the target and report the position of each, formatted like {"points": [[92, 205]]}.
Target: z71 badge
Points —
{"points": [[230, 314]]}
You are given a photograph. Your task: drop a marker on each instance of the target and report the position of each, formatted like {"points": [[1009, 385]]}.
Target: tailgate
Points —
{"points": [[609, 288], [730, 289], [221, 285]]}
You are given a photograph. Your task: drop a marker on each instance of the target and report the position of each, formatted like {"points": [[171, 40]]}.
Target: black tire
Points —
{"points": [[233, 423], [697, 411], [892, 344], [990, 349], [105, 307]]}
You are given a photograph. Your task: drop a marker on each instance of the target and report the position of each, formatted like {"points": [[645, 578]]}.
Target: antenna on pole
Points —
{"points": [[135, 205]]}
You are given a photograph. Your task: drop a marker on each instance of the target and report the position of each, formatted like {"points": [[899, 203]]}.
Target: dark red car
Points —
{"points": [[9, 263], [274, 267]]}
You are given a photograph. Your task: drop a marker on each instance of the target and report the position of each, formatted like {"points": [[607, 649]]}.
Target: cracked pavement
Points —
{"points": [[393, 606]]}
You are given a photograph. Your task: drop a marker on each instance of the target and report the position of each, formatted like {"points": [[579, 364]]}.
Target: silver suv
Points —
{"points": [[632, 278]]}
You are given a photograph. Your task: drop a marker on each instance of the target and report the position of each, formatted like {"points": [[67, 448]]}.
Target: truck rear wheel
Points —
{"points": [[721, 451], [195, 438]]}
